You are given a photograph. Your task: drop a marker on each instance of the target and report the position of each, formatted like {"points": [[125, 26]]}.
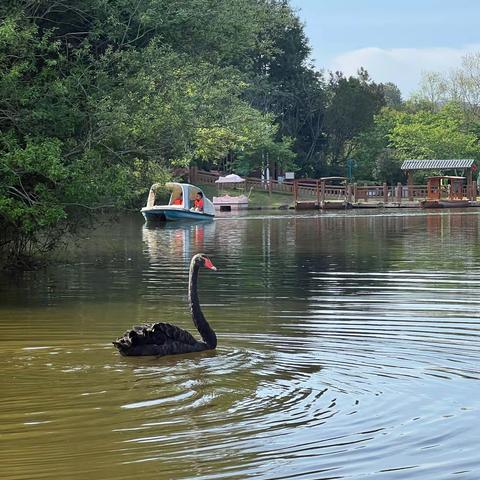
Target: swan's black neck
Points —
{"points": [[199, 320]]}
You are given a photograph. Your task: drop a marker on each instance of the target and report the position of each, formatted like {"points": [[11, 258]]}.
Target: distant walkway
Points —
{"points": [[317, 193]]}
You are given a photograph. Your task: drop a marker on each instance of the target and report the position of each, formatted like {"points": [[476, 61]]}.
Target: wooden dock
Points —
{"points": [[336, 193]]}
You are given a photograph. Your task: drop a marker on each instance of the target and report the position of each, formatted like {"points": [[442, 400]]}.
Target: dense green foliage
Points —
{"points": [[440, 121], [98, 99], [428, 126]]}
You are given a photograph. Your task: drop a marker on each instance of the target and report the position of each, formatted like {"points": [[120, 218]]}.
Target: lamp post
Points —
{"points": [[350, 166]]}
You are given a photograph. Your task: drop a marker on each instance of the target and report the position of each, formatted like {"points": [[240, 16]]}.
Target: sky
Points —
{"points": [[395, 40]]}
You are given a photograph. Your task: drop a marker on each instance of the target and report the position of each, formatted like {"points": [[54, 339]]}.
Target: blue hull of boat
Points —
{"points": [[175, 215]]}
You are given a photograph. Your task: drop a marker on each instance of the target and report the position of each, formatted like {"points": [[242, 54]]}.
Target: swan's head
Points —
{"points": [[202, 259]]}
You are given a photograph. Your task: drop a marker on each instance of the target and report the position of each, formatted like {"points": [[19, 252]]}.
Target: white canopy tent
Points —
{"points": [[232, 178]]}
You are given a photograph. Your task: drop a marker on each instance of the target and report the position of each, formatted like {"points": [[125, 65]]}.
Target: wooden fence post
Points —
{"points": [[385, 192], [322, 191], [410, 185], [399, 192], [355, 193], [348, 191], [470, 190]]}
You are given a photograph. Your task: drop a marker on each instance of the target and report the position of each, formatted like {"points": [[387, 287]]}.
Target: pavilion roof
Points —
{"points": [[437, 164]]}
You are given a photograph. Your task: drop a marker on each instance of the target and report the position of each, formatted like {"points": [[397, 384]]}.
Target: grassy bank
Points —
{"points": [[257, 199]]}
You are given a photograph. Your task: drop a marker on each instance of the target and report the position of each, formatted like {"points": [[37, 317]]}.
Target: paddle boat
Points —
{"points": [[187, 202]]}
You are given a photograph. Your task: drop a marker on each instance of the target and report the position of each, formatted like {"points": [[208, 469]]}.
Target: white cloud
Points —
{"points": [[402, 66]]}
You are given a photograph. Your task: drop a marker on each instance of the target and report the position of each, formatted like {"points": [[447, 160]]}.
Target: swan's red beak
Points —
{"points": [[210, 265]]}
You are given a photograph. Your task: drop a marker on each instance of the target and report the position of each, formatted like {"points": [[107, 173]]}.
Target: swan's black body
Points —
{"points": [[160, 339]]}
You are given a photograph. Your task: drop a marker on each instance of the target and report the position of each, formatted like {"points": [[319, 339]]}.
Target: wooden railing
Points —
{"points": [[270, 186], [209, 178], [204, 177], [313, 190], [388, 194]]}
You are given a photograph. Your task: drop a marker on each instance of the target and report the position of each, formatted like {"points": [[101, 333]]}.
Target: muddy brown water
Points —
{"points": [[348, 349]]}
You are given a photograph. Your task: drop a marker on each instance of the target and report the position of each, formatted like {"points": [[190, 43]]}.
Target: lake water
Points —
{"points": [[349, 348]]}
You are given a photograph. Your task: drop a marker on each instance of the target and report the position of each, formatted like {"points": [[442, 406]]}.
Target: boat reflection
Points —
{"points": [[177, 240]]}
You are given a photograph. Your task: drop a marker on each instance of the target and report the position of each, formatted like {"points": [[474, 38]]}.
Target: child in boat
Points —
{"points": [[178, 200], [198, 202]]}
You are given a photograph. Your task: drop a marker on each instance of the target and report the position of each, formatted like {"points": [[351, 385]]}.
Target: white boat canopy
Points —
{"points": [[182, 196]]}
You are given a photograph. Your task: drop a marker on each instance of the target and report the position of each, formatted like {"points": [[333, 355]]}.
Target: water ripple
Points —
{"points": [[338, 357]]}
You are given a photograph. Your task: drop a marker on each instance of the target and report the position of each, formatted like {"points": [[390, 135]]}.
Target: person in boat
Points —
{"points": [[178, 200], [198, 202]]}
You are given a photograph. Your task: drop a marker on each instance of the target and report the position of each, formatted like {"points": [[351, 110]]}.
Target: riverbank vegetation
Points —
{"points": [[440, 121], [99, 99]]}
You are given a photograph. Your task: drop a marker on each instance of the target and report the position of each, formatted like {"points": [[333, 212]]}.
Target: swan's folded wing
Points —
{"points": [[157, 339], [172, 333]]}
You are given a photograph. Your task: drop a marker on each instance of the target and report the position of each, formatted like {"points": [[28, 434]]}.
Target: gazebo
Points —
{"points": [[467, 165], [227, 203]]}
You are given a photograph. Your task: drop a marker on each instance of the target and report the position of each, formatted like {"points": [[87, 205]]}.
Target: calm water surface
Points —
{"points": [[348, 349]]}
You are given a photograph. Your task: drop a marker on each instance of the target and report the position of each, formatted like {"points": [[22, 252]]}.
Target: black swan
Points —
{"points": [[165, 339]]}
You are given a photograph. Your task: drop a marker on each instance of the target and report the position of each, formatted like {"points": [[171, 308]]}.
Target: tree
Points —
{"points": [[432, 92], [388, 167], [374, 155], [427, 135], [353, 103], [392, 95], [460, 85], [98, 99], [265, 154], [287, 86]]}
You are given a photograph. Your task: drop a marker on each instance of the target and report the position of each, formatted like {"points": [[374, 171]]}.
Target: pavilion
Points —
{"points": [[467, 165]]}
